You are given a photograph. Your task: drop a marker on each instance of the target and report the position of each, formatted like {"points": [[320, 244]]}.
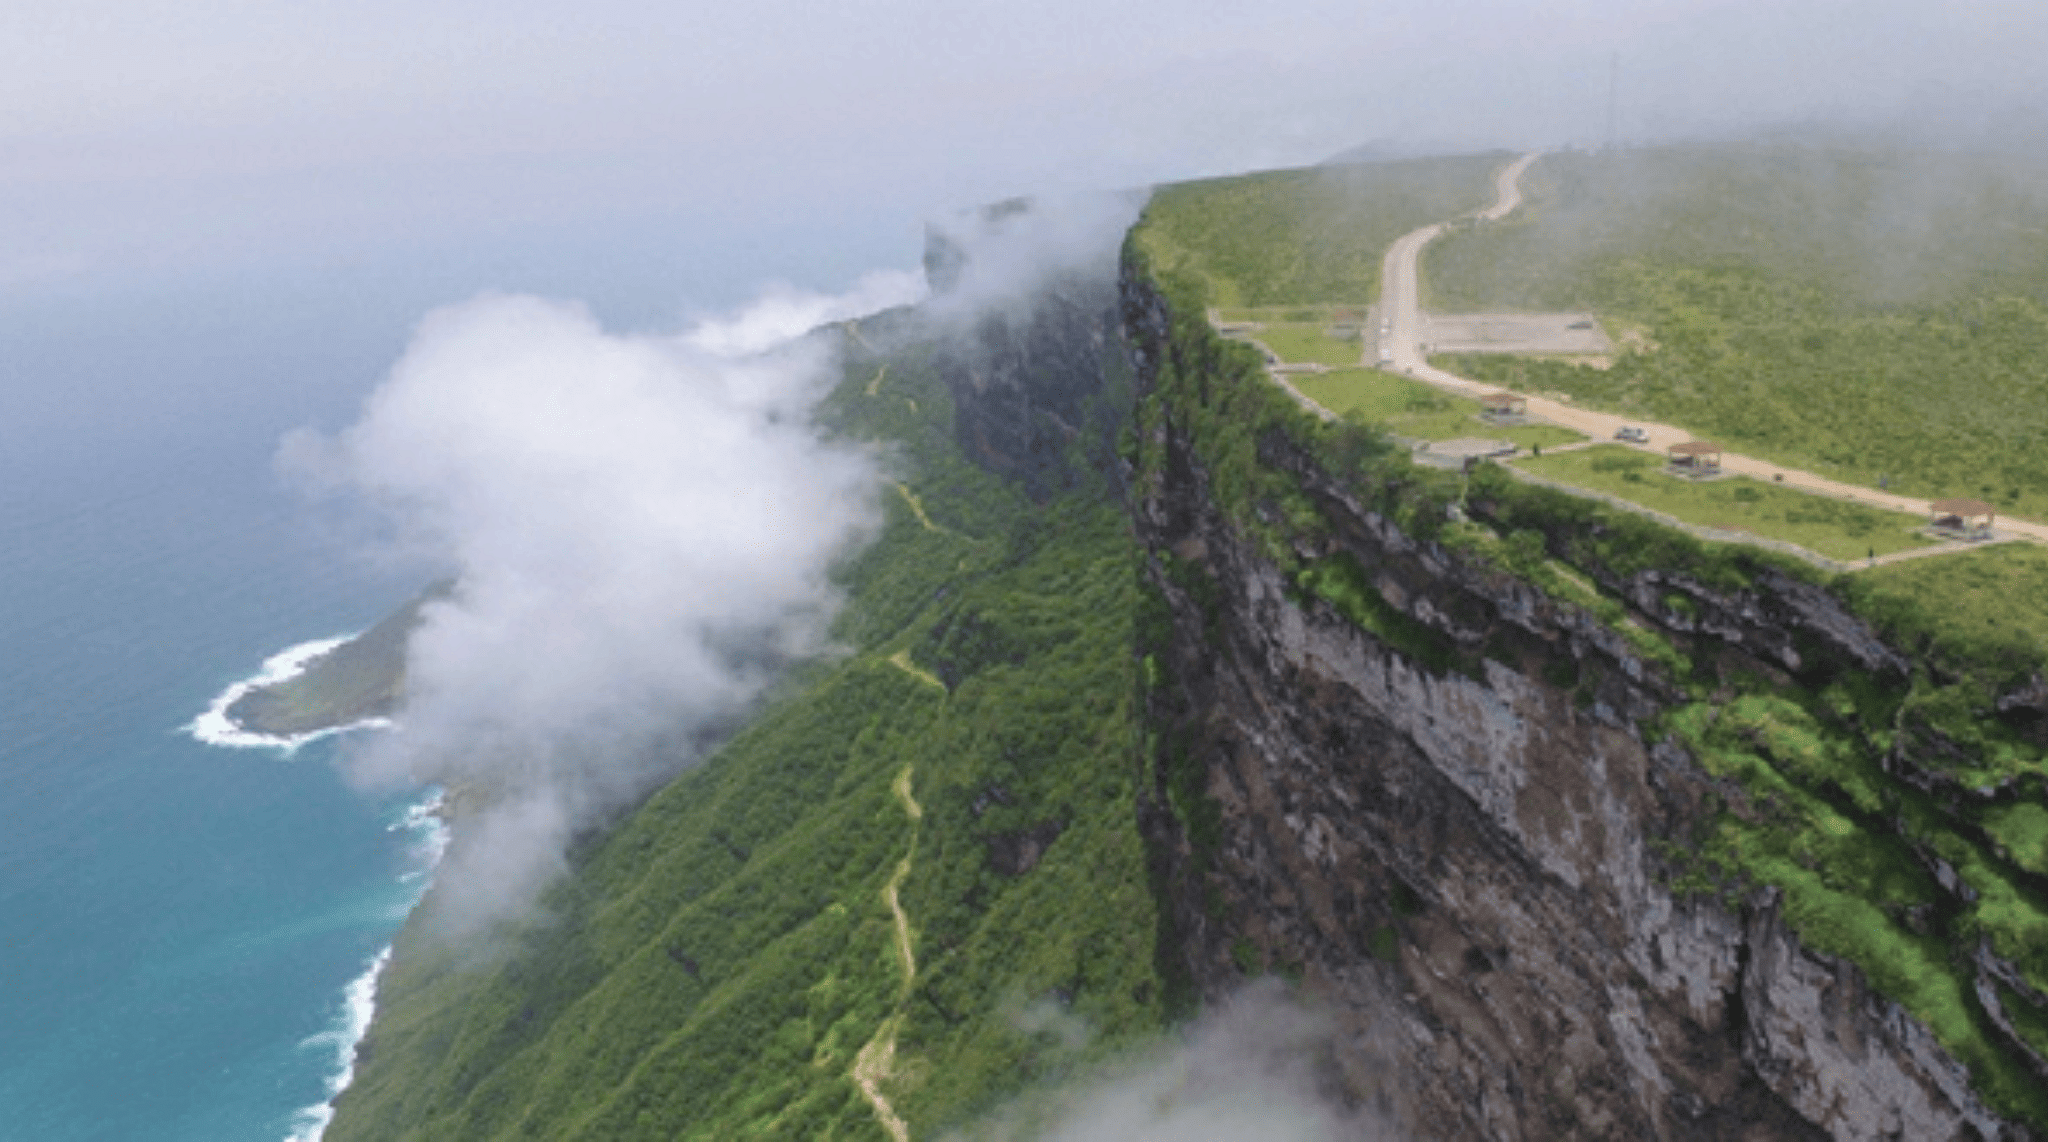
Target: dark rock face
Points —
{"points": [[1034, 373], [1465, 867]]}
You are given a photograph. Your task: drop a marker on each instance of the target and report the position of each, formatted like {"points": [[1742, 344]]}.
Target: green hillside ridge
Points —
{"points": [[1862, 315], [718, 961]]}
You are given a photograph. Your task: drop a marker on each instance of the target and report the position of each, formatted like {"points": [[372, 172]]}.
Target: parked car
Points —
{"points": [[1632, 434]]}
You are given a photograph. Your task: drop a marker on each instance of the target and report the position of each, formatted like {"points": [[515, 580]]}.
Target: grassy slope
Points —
{"points": [[1814, 808], [1414, 410], [1314, 235], [1839, 530], [1857, 314], [719, 959]]}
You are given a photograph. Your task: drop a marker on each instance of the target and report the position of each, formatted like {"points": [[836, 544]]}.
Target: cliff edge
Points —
{"points": [[1429, 775]]}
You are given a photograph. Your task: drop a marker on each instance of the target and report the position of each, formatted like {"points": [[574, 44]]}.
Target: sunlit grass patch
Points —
{"points": [[1833, 528], [1309, 236], [1415, 410], [1990, 604], [2022, 830], [1309, 343]]}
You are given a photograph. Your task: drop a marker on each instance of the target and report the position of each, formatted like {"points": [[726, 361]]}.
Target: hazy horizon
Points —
{"points": [[704, 152]]}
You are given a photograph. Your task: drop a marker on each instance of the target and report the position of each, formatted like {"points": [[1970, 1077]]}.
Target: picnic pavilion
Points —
{"points": [[1695, 458], [1504, 407], [1966, 519]]}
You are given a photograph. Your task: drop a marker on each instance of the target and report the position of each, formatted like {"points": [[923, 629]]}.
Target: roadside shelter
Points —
{"points": [[1504, 407], [1695, 458], [1967, 519]]}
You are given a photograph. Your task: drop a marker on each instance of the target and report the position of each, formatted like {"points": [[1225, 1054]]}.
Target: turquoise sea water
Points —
{"points": [[179, 923]]}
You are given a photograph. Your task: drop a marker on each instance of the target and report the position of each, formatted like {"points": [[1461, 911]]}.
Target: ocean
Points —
{"points": [[180, 923]]}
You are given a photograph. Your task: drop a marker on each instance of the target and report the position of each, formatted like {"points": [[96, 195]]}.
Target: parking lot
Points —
{"points": [[1575, 334]]}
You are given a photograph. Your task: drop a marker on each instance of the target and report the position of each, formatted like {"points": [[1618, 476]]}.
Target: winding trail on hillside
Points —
{"points": [[877, 1060], [1401, 310]]}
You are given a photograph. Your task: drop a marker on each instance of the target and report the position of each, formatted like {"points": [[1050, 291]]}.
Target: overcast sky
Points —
{"points": [[159, 135]]}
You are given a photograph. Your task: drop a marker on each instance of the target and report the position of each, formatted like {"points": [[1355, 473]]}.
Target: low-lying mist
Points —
{"points": [[1256, 1066], [640, 527]]}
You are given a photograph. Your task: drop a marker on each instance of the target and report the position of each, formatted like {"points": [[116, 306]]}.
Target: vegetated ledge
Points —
{"points": [[1580, 825]]}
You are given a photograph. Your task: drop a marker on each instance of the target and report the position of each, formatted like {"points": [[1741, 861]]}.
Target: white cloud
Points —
{"points": [[1253, 1067], [641, 526]]}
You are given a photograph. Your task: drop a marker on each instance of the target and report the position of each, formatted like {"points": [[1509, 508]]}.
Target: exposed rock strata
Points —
{"points": [[1466, 866]]}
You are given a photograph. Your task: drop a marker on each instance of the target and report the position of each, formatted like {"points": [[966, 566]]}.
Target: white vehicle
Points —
{"points": [[1632, 434]]}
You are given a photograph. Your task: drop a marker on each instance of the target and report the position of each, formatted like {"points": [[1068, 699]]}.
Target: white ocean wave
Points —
{"points": [[358, 1005], [429, 827], [214, 727]]}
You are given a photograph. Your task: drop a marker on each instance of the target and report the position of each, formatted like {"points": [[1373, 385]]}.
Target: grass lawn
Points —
{"points": [[1322, 314], [1308, 342], [1308, 236], [1415, 410], [1992, 595], [1836, 529]]}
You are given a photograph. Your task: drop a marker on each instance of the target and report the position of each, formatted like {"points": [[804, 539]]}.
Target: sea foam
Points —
{"points": [[359, 1001], [214, 727]]}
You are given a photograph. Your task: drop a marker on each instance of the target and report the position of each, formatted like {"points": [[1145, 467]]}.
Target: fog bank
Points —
{"points": [[641, 528], [1252, 1067]]}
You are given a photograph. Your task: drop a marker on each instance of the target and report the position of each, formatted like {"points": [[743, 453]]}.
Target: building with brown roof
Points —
{"points": [[1695, 458], [1504, 407], [1967, 519]]}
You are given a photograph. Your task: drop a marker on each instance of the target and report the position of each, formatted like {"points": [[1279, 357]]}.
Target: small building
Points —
{"points": [[1963, 519], [1504, 407], [1698, 458]]}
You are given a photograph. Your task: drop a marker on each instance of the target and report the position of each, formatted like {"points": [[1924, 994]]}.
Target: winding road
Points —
{"points": [[1401, 311]]}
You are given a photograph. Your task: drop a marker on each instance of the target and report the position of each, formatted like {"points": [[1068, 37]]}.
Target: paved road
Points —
{"points": [[1400, 305]]}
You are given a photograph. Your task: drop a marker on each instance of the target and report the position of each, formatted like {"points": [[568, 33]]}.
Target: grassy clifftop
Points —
{"points": [[1312, 236], [1863, 315]]}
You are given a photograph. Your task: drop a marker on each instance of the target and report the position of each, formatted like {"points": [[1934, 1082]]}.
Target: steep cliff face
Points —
{"points": [[1456, 829], [1036, 374]]}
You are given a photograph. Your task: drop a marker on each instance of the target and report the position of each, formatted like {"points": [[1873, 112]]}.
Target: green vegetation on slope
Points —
{"points": [[1314, 235], [1982, 616], [1859, 315], [1813, 812], [1835, 528], [719, 959]]}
